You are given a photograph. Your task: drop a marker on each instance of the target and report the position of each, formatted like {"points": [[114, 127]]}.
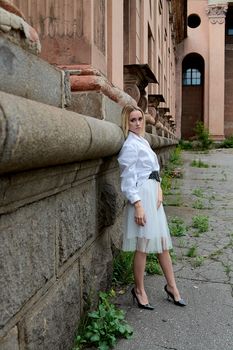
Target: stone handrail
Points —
{"points": [[35, 135]]}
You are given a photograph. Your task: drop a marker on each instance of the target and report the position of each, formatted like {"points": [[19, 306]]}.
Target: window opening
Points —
{"points": [[194, 21], [192, 76], [229, 21]]}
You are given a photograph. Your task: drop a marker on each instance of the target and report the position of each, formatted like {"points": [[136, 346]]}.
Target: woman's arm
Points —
{"points": [[127, 160], [160, 195]]}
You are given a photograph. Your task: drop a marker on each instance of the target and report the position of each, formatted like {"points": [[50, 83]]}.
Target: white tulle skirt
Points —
{"points": [[154, 236]]}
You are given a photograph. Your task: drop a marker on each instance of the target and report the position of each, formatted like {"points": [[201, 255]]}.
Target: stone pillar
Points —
{"points": [[216, 14]]}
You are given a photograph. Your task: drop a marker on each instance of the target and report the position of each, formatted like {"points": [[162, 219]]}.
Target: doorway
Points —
{"points": [[192, 94]]}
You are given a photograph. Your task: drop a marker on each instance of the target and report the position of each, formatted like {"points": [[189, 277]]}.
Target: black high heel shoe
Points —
{"points": [[141, 306], [180, 302]]}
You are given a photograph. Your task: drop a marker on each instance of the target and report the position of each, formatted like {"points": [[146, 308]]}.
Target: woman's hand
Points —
{"points": [[139, 214], [160, 196]]}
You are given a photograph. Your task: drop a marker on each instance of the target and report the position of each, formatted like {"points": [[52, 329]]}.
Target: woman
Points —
{"points": [[146, 229]]}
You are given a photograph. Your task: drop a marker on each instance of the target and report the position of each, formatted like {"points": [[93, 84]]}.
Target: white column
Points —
{"points": [[216, 14]]}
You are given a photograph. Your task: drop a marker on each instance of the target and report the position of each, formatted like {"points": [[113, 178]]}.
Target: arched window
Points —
{"points": [[229, 21], [191, 76]]}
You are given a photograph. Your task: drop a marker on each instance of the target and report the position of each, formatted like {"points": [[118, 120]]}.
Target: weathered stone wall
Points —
{"points": [[59, 223], [55, 249]]}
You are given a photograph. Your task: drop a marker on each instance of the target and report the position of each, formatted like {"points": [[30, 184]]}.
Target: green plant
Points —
{"points": [[152, 265], [175, 184], [166, 184], [170, 171], [199, 164], [227, 268], [215, 253], [103, 326], [198, 261], [173, 256], [203, 135], [227, 143], [177, 227], [198, 192], [198, 204], [185, 145], [201, 223], [192, 252], [123, 268], [175, 156], [181, 243], [174, 201]]}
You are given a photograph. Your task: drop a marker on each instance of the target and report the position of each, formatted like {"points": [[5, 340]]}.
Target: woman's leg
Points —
{"points": [[139, 265], [166, 265]]}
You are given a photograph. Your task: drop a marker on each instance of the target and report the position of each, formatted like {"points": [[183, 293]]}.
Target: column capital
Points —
{"points": [[217, 13]]}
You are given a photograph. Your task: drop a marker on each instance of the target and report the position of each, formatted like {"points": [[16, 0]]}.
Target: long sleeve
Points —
{"points": [[127, 160]]}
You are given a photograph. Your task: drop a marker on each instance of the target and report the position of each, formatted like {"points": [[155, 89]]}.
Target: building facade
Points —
{"points": [[149, 49], [130, 42], [205, 70]]}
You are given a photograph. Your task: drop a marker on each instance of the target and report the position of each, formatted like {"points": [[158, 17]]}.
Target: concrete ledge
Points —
{"points": [[35, 135], [24, 74]]}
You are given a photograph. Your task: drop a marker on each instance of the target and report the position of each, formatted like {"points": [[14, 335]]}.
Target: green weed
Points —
{"points": [[185, 145], [199, 164], [174, 202], [203, 136], [198, 261], [181, 243], [227, 143], [192, 252], [123, 268], [173, 256], [227, 268], [198, 192], [177, 227], [215, 253], [170, 171], [198, 204], [175, 156], [201, 223], [152, 265], [166, 184], [103, 326]]}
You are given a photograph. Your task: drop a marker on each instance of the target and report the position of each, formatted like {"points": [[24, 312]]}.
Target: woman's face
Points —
{"points": [[136, 122]]}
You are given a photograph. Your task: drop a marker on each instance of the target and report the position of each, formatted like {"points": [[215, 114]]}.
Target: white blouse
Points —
{"points": [[137, 160]]}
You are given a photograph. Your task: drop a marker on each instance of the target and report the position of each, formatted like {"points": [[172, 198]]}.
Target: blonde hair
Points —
{"points": [[125, 118]]}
